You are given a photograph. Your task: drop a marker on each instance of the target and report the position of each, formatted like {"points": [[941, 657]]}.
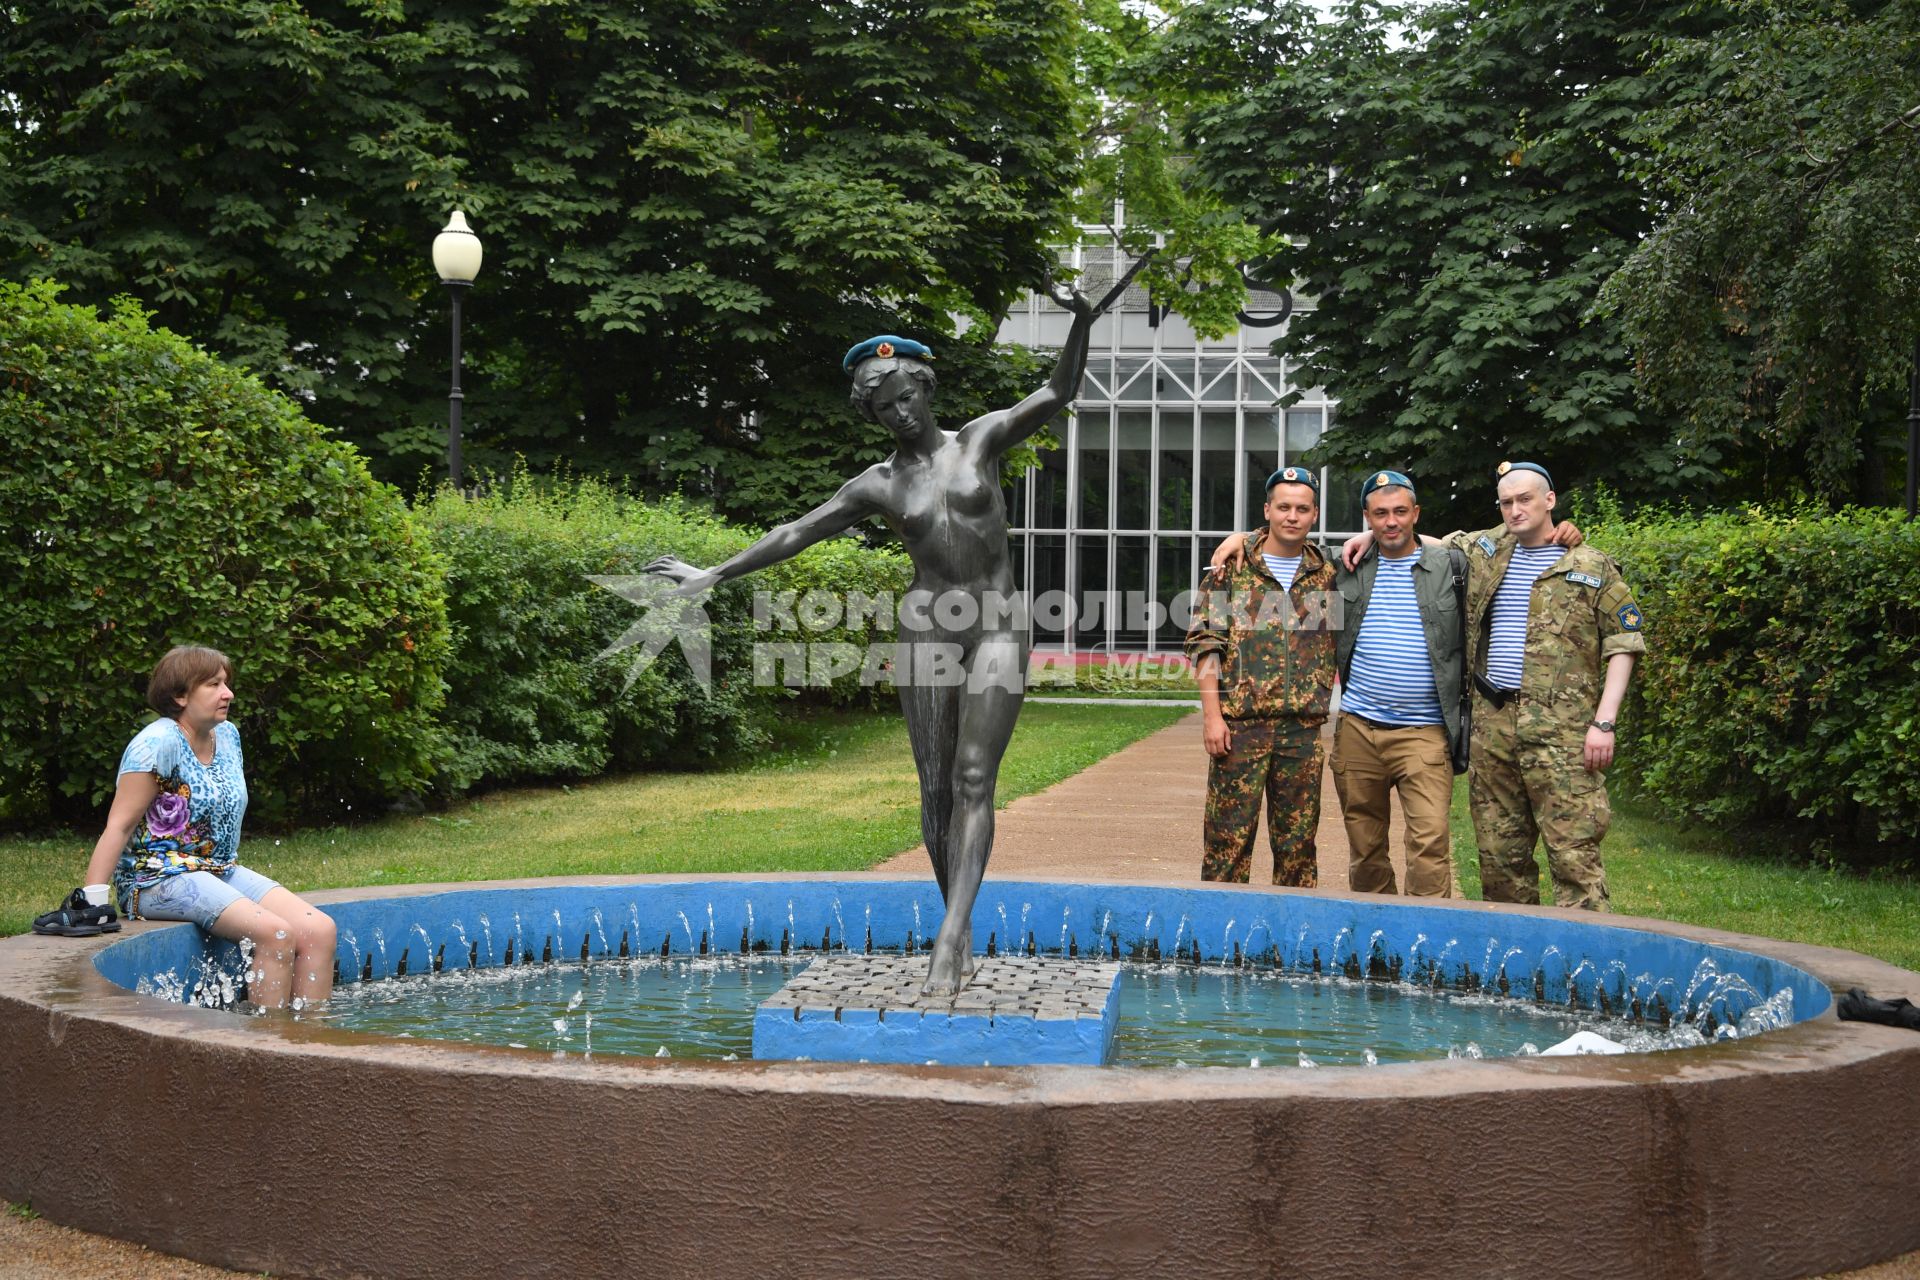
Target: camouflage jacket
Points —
{"points": [[1581, 614], [1276, 646]]}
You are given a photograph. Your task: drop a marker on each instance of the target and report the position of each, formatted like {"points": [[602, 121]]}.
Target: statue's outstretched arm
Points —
{"points": [[999, 431], [836, 515]]}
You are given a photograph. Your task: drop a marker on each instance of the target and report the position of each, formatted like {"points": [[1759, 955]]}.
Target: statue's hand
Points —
{"points": [[692, 580], [1071, 299]]}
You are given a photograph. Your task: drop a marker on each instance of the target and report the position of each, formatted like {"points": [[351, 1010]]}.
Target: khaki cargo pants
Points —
{"points": [[1370, 762]]}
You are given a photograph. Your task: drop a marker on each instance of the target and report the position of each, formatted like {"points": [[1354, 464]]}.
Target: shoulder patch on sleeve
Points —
{"points": [[1585, 579], [1629, 615], [1486, 545]]}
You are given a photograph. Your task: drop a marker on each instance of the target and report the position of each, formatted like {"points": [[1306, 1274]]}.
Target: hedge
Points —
{"points": [[151, 495], [533, 694], [1783, 675]]}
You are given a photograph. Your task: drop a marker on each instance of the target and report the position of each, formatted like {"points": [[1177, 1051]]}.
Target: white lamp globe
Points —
{"points": [[456, 251]]}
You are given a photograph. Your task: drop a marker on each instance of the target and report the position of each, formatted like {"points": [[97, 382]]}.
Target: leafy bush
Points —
{"points": [[1781, 679], [153, 496], [530, 694]]}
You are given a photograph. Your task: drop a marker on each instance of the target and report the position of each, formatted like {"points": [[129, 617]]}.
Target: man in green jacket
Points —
{"points": [[1262, 647], [1401, 666]]}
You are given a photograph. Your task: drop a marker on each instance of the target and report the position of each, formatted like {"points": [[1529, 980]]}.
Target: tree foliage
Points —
{"points": [[1775, 306], [689, 208], [1448, 177], [1135, 71]]}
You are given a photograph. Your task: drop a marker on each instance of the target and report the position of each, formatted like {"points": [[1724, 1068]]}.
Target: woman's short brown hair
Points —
{"points": [[185, 668]]}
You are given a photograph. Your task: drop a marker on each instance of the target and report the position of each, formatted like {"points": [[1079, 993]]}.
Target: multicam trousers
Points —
{"points": [[1282, 758], [1521, 791]]}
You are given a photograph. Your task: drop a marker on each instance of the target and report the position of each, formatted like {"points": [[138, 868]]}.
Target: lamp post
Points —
{"points": [[456, 256]]}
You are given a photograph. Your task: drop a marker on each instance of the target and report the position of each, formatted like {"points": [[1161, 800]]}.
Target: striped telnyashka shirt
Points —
{"points": [[1507, 638], [1391, 679], [1283, 568]]}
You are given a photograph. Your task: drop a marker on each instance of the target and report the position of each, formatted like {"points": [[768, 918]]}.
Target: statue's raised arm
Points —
{"points": [[995, 433]]}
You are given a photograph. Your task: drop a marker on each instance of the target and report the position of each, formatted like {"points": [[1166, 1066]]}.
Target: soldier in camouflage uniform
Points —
{"points": [[1263, 653], [1550, 668]]}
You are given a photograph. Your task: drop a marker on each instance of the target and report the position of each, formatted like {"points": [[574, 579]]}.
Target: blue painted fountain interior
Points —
{"points": [[1558, 959]]}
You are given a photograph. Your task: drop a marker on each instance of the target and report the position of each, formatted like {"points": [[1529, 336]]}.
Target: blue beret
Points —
{"points": [[1295, 475], [1534, 467], [1386, 480], [885, 345]]}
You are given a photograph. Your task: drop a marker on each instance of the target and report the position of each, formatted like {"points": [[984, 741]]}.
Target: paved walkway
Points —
{"points": [[1136, 816]]}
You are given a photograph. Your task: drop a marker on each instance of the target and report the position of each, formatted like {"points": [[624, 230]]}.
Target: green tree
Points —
{"points": [[690, 209], [1774, 308], [1135, 65], [1448, 176]]}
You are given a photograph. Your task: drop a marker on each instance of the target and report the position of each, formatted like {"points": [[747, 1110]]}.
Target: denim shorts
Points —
{"points": [[200, 896]]}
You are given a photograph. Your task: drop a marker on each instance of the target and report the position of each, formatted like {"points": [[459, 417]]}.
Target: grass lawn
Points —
{"points": [[1698, 876], [837, 793]]}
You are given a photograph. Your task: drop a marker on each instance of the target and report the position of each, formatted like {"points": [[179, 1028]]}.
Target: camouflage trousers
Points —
{"points": [[1281, 758], [1522, 790]]}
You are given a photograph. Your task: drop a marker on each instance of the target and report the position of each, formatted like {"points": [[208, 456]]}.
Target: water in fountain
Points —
{"points": [[702, 1007]]}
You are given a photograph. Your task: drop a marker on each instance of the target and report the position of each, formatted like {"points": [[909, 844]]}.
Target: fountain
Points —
{"points": [[415, 1158]]}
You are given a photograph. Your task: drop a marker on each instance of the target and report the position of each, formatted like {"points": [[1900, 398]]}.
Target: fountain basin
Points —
{"points": [[360, 1155]]}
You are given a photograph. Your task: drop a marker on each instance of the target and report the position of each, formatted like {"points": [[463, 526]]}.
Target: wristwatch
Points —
{"points": [[1604, 726]]}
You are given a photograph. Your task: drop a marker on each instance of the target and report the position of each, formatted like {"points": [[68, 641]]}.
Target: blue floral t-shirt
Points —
{"points": [[194, 823]]}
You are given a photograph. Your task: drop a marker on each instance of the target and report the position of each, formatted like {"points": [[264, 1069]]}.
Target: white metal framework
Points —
{"points": [[1165, 453]]}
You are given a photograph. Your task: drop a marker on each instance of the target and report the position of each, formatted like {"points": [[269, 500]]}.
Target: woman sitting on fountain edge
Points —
{"points": [[172, 841]]}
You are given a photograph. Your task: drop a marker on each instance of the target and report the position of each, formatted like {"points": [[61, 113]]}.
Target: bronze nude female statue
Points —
{"points": [[940, 492]]}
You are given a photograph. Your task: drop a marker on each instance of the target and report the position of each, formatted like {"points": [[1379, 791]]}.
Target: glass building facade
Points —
{"points": [[1166, 452]]}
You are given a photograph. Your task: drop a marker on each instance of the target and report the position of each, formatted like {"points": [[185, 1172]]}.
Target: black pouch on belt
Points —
{"points": [[1490, 691]]}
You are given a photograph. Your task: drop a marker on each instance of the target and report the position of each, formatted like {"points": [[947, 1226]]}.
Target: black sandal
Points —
{"points": [[77, 918]]}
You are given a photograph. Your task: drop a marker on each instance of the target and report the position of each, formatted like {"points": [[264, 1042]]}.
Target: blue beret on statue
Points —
{"points": [[883, 346], [1534, 467], [1386, 480], [1295, 475]]}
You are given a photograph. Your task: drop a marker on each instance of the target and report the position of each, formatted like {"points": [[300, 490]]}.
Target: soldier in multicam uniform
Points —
{"points": [[1263, 653], [1552, 638]]}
